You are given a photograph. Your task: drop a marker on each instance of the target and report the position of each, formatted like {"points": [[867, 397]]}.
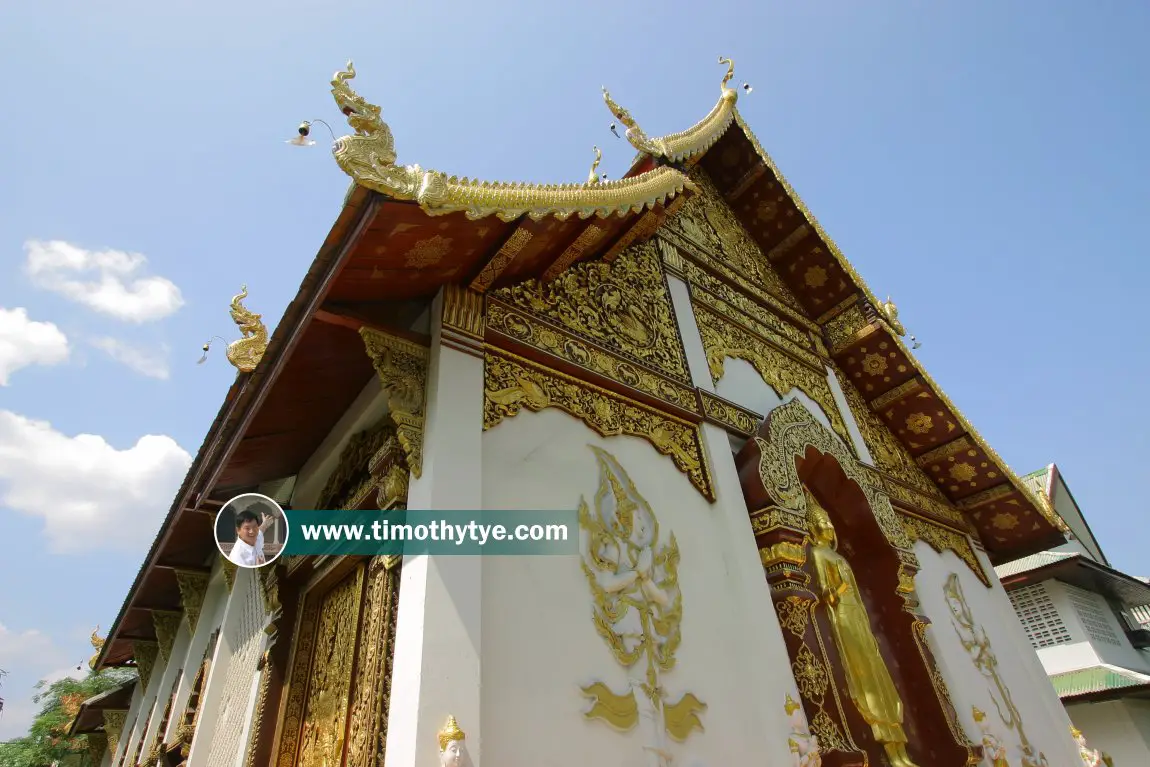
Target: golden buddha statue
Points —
{"points": [[869, 681]]}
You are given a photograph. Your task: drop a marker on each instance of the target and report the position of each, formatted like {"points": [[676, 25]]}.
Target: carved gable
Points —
{"points": [[708, 223]]}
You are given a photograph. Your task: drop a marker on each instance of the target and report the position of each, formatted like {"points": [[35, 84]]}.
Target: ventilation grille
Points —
{"points": [[1142, 616], [1093, 615], [1039, 616]]}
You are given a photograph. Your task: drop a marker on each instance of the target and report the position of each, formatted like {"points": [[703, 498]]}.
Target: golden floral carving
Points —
{"points": [[330, 680], [706, 220], [728, 415], [167, 625], [874, 364], [810, 674], [193, 589], [977, 645], [897, 393], [794, 613], [889, 454], [368, 726], [114, 726], [772, 518], [983, 497], [526, 329], [512, 383], [504, 256], [351, 477], [919, 423], [620, 539], [793, 340], [624, 305], [963, 472], [846, 328], [829, 736], [145, 654], [402, 369], [815, 277], [722, 339], [792, 429], [427, 252], [296, 692], [1004, 520]]}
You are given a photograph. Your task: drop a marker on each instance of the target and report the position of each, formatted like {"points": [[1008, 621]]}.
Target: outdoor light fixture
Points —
{"points": [[304, 131]]}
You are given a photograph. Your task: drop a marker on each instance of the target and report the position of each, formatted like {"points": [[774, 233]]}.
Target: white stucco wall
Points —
{"points": [[1111, 646], [1118, 728], [130, 724], [540, 645], [1044, 720]]}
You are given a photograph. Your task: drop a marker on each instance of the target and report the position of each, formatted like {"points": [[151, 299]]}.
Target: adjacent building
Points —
{"points": [[1088, 623]]}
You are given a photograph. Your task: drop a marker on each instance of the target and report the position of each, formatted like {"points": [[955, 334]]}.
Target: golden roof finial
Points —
{"points": [[450, 732], [730, 72], [593, 176], [791, 705], [247, 352], [97, 645]]}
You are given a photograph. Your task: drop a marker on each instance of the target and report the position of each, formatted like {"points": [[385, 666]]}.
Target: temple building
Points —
{"points": [[1087, 622], [788, 531]]}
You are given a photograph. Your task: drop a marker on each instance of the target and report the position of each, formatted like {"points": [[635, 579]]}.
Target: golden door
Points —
{"points": [[335, 714]]}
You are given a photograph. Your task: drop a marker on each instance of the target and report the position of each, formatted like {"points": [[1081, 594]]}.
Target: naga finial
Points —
{"points": [[730, 72], [247, 352], [97, 645], [593, 176], [364, 118], [635, 135]]}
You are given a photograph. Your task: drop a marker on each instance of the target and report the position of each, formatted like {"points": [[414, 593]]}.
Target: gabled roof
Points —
{"points": [[405, 232], [1078, 570], [91, 715]]}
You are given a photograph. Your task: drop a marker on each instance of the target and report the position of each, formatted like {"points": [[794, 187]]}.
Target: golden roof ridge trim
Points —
{"points": [[694, 141], [369, 156]]}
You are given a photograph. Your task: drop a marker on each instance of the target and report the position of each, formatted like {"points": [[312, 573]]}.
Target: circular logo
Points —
{"points": [[251, 530]]}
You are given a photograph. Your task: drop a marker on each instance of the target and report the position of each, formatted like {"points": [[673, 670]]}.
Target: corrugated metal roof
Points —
{"points": [[1096, 679], [1033, 562], [1036, 480]]}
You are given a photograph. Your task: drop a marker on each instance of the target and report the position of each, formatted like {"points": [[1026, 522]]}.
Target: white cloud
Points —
{"points": [[25, 342], [108, 281], [28, 657], [148, 362], [89, 494]]}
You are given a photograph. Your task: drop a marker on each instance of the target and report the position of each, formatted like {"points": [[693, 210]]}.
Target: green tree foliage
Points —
{"points": [[47, 741]]}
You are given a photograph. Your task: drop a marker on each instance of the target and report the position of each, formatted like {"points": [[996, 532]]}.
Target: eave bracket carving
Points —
{"points": [[402, 369]]}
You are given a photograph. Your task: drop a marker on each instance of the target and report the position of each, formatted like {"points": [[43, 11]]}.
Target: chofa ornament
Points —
{"points": [[245, 353], [369, 158]]}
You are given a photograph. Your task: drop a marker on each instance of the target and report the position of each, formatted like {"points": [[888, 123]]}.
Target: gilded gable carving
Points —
{"points": [[624, 305], [780, 371], [706, 220]]}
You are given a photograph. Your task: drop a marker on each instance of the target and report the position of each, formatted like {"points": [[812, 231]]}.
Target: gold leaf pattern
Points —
{"points": [[624, 305]]}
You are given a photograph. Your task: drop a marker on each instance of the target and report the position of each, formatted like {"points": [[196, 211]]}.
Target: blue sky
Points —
{"points": [[982, 162]]}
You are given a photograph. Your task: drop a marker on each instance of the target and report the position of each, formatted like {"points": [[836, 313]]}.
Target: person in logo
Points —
{"points": [[246, 552]]}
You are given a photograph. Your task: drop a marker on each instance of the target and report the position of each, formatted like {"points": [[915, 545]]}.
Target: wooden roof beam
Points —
{"points": [[503, 258]]}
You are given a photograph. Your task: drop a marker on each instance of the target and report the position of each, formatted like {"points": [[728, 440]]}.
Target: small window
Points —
{"points": [[1039, 616]]}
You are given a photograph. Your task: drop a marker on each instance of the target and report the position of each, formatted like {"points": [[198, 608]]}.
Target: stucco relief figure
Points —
{"points": [[637, 611], [452, 749], [1090, 757], [993, 752], [803, 745], [871, 687]]}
